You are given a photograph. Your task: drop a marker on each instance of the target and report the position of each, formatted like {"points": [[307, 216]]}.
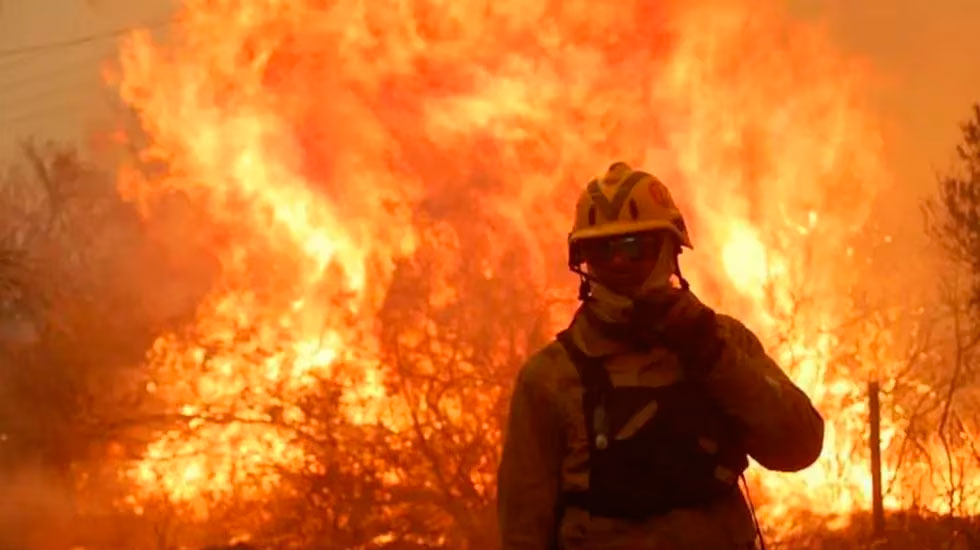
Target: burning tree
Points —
{"points": [[953, 222], [63, 329], [953, 217], [922, 349], [456, 327]]}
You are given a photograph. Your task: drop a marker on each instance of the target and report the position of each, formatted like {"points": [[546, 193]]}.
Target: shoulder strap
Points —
{"points": [[594, 376]]}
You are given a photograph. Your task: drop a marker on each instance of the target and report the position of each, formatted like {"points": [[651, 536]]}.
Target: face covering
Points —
{"points": [[614, 308]]}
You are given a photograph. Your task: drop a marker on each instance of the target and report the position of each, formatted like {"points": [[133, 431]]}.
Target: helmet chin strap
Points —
{"points": [[680, 278], [656, 278], [666, 268], [585, 282], [613, 313]]}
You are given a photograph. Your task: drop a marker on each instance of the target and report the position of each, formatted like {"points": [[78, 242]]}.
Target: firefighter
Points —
{"points": [[632, 429]]}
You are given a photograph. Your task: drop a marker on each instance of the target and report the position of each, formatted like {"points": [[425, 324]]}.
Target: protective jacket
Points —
{"points": [[549, 457]]}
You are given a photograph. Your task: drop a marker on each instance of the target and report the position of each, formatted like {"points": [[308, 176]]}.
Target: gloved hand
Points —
{"points": [[678, 320]]}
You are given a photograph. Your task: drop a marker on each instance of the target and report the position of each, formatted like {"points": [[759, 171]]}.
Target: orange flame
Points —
{"points": [[316, 136]]}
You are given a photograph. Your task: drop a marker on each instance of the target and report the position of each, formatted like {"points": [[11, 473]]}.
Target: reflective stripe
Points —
{"points": [[611, 209], [638, 420]]}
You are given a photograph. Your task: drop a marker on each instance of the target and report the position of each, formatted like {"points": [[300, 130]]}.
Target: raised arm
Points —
{"points": [[782, 429]]}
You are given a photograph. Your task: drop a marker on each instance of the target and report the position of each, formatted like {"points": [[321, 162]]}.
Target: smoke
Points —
{"points": [[927, 61], [84, 287], [35, 509]]}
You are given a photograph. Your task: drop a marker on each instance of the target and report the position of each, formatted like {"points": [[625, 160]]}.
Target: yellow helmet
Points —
{"points": [[625, 201]]}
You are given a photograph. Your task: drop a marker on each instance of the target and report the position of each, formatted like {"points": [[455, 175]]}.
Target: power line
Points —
{"points": [[80, 40], [64, 106], [86, 64], [19, 100], [15, 64], [35, 110], [17, 60], [51, 109]]}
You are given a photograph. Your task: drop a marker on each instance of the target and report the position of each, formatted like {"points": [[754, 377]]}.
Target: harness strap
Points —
{"points": [[609, 493], [590, 370]]}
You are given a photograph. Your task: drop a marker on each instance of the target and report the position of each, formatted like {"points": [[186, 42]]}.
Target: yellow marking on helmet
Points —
{"points": [[612, 209]]}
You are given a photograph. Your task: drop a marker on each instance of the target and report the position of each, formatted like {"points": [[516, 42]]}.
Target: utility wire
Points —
{"points": [[18, 59], [12, 61], [80, 40], [11, 57], [77, 68], [15, 56], [23, 99], [48, 110]]}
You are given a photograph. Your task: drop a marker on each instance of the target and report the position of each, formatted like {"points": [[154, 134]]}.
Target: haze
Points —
{"points": [[925, 56]]}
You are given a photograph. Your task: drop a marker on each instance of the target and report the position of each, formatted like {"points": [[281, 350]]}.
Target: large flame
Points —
{"points": [[324, 141]]}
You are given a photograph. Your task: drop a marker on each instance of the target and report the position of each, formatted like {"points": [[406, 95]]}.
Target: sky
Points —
{"points": [[58, 93], [926, 58], [924, 53]]}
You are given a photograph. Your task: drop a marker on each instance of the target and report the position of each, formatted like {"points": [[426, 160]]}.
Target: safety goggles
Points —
{"points": [[632, 247]]}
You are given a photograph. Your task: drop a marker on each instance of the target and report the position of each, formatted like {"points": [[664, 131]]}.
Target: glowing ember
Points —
{"points": [[320, 138]]}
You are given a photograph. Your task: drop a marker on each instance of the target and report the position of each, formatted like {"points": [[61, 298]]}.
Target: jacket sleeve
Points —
{"points": [[529, 476], [782, 429]]}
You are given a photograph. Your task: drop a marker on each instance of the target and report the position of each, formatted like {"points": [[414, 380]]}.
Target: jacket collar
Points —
{"points": [[589, 337]]}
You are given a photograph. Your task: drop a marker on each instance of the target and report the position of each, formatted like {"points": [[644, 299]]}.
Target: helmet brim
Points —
{"points": [[625, 228]]}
